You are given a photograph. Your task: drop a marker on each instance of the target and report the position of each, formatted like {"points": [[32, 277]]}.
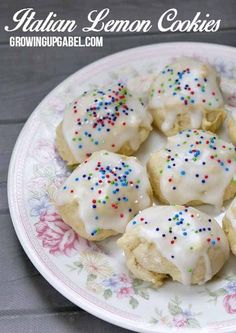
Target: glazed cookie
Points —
{"points": [[176, 241], [229, 225], [103, 194], [113, 119], [185, 95], [231, 123], [195, 167], [228, 88]]}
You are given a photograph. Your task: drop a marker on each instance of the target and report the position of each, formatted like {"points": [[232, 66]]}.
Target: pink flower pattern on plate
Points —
{"points": [[125, 292], [229, 303], [58, 237], [180, 320], [44, 151]]}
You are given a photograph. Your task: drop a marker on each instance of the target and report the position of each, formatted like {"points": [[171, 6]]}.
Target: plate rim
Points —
{"points": [[54, 281]]}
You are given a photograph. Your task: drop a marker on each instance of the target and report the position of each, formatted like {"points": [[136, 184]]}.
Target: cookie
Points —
{"points": [[231, 123], [114, 119], [174, 241], [195, 167], [186, 94], [228, 88], [103, 194], [229, 225]]}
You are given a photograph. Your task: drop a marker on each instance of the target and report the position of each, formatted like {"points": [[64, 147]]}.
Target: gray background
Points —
{"points": [[27, 302]]}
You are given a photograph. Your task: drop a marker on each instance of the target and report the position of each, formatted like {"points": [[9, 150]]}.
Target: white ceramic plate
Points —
{"points": [[92, 276]]}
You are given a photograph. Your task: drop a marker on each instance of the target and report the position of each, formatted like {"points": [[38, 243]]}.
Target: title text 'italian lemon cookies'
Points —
{"points": [[113, 119], [195, 167], [103, 194], [186, 94], [176, 241]]}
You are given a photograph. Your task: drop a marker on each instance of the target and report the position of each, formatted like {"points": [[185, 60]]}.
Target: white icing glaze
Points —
{"points": [[182, 235], [198, 166], [140, 85], [104, 120], [231, 112], [231, 213], [228, 87], [186, 85], [109, 189]]}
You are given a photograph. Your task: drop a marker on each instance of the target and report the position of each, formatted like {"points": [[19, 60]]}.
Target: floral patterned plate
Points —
{"points": [[94, 276]]}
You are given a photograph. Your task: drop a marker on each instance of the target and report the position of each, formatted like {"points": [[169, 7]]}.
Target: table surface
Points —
{"points": [[27, 302]]}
